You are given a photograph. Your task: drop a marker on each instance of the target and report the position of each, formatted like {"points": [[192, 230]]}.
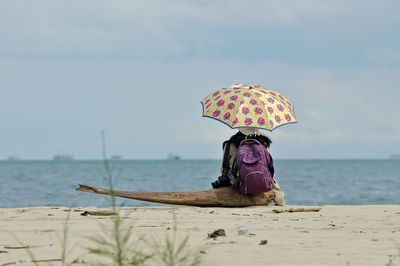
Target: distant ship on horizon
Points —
{"points": [[395, 156], [173, 157], [13, 158], [116, 158], [63, 157]]}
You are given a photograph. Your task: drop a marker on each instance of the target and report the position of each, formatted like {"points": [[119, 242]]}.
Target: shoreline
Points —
{"points": [[336, 235]]}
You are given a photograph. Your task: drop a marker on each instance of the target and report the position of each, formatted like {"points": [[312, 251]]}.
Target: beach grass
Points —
{"points": [[122, 247], [118, 245], [172, 252], [395, 258]]}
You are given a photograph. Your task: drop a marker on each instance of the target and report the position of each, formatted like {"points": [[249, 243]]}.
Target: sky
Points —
{"points": [[139, 69]]}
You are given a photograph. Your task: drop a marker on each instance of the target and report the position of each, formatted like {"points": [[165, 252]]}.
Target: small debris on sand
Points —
{"points": [[217, 233], [74, 210], [297, 210]]}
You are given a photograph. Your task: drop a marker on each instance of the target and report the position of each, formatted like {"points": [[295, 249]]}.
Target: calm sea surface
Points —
{"points": [[305, 182]]}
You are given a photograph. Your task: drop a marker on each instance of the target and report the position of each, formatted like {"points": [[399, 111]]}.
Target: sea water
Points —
{"points": [[305, 182]]}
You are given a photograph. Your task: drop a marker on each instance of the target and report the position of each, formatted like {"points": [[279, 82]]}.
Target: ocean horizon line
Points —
{"points": [[188, 159]]}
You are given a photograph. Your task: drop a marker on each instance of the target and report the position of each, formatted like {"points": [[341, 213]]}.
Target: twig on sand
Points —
{"points": [[317, 209], [98, 213], [17, 247], [48, 260], [34, 261], [9, 263]]}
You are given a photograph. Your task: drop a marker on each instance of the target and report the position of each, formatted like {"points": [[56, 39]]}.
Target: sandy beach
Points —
{"points": [[336, 235]]}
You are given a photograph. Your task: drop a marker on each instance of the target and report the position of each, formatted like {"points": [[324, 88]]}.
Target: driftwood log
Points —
{"points": [[220, 197]]}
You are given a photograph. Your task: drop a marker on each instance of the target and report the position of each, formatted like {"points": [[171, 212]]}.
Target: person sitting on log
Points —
{"points": [[230, 147]]}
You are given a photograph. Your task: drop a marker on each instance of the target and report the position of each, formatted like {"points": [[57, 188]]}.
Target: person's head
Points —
{"points": [[249, 131], [253, 133]]}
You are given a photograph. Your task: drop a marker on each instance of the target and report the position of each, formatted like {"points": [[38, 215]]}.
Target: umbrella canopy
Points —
{"points": [[248, 106]]}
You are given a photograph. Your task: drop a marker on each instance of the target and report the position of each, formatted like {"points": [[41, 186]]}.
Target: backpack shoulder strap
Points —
{"points": [[270, 162], [225, 162]]}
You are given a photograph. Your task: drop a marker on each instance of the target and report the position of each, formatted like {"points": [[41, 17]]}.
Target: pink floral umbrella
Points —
{"points": [[248, 106]]}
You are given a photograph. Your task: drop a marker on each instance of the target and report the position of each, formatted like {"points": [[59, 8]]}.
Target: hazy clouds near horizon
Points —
{"points": [[139, 69]]}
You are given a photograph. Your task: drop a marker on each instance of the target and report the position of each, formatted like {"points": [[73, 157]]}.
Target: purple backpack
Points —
{"points": [[252, 161]]}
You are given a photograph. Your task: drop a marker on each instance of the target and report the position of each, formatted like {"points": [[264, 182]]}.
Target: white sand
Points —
{"points": [[337, 235]]}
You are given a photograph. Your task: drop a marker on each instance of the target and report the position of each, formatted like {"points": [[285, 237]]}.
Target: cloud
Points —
{"points": [[180, 30], [157, 105], [384, 57], [138, 69], [395, 124]]}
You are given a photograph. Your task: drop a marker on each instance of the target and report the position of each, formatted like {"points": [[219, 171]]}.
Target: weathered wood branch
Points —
{"points": [[221, 197]]}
